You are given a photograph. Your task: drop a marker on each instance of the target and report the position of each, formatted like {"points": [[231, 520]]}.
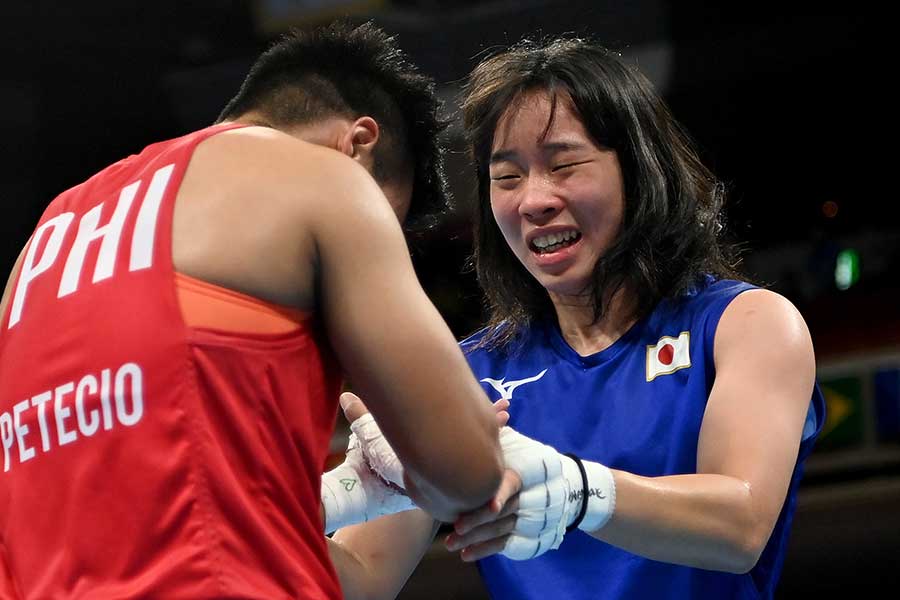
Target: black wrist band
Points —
{"points": [[584, 494]]}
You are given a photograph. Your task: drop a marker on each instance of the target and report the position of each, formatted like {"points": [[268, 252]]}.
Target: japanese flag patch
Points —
{"points": [[669, 355]]}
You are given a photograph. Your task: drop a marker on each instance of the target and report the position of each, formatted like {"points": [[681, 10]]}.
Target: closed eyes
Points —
{"points": [[554, 169], [568, 165]]}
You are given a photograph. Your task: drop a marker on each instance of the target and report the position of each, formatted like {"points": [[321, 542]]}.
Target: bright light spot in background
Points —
{"points": [[846, 270], [830, 209]]}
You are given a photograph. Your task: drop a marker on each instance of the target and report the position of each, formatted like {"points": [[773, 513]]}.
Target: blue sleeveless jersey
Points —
{"points": [[635, 406]]}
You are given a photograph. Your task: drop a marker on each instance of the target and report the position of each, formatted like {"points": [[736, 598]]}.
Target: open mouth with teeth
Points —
{"points": [[554, 241]]}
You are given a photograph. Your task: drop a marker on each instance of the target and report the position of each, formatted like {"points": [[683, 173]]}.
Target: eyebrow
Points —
{"points": [[546, 148], [501, 156]]}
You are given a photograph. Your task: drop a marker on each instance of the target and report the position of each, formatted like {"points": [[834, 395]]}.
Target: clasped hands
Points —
{"points": [[528, 514]]}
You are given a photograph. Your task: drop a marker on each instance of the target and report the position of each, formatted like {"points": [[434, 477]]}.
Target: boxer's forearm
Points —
{"points": [[375, 559]]}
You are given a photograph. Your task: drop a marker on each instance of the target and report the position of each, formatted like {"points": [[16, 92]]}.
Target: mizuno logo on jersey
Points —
{"points": [[506, 387], [669, 355]]}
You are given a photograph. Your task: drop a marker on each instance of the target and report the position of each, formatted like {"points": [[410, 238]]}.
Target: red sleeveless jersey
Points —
{"points": [[142, 457]]}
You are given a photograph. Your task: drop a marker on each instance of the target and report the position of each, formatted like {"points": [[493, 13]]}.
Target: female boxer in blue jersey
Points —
{"points": [[660, 410]]}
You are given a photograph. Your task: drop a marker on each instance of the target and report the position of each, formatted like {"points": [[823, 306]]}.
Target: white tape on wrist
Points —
{"points": [[601, 496], [574, 486], [553, 495]]}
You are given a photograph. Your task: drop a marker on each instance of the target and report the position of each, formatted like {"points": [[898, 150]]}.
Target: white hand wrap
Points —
{"points": [[551, 495], [543, 502], [353, 493], [376, 450], [601, 496], [520, 547]]}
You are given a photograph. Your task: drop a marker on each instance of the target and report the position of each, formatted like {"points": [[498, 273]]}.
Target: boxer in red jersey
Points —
{"points": [[173, 334]]}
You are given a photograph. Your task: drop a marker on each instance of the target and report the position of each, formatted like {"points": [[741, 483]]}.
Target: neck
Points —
{"points": [[252, 118], [586, 336]]}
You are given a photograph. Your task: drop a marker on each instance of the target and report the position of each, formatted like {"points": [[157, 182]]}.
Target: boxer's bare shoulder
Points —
{"points": [[247, 210]]}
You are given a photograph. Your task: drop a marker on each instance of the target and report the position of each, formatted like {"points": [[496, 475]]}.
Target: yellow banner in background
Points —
{"points": [[843, 426]]}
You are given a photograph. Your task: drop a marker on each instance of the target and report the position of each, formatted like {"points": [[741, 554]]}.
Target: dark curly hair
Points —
{"points": [[672, 232], [351, 71]]}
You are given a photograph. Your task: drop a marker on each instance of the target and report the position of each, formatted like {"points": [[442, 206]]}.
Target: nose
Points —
{"points": [[540, 203]]}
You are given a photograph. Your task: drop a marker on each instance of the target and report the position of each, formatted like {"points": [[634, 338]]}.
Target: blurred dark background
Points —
{"points": [[783, 105]]}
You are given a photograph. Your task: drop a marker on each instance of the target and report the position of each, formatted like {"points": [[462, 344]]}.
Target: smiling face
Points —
{"points": [[556, 196]]}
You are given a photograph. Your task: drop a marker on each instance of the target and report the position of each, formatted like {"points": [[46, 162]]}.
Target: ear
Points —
{"points": [[358, 141]]}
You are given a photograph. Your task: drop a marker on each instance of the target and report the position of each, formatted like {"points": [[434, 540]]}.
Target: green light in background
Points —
{"points": [[846, 270]]}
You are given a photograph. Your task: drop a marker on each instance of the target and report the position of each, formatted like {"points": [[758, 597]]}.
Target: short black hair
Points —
{"points": [[672, 233], [350, 71]]}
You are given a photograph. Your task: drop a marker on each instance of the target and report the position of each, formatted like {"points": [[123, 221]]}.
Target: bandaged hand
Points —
{"points": [[353, 493], [376, 450], [540, 499], [369, 483]]}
